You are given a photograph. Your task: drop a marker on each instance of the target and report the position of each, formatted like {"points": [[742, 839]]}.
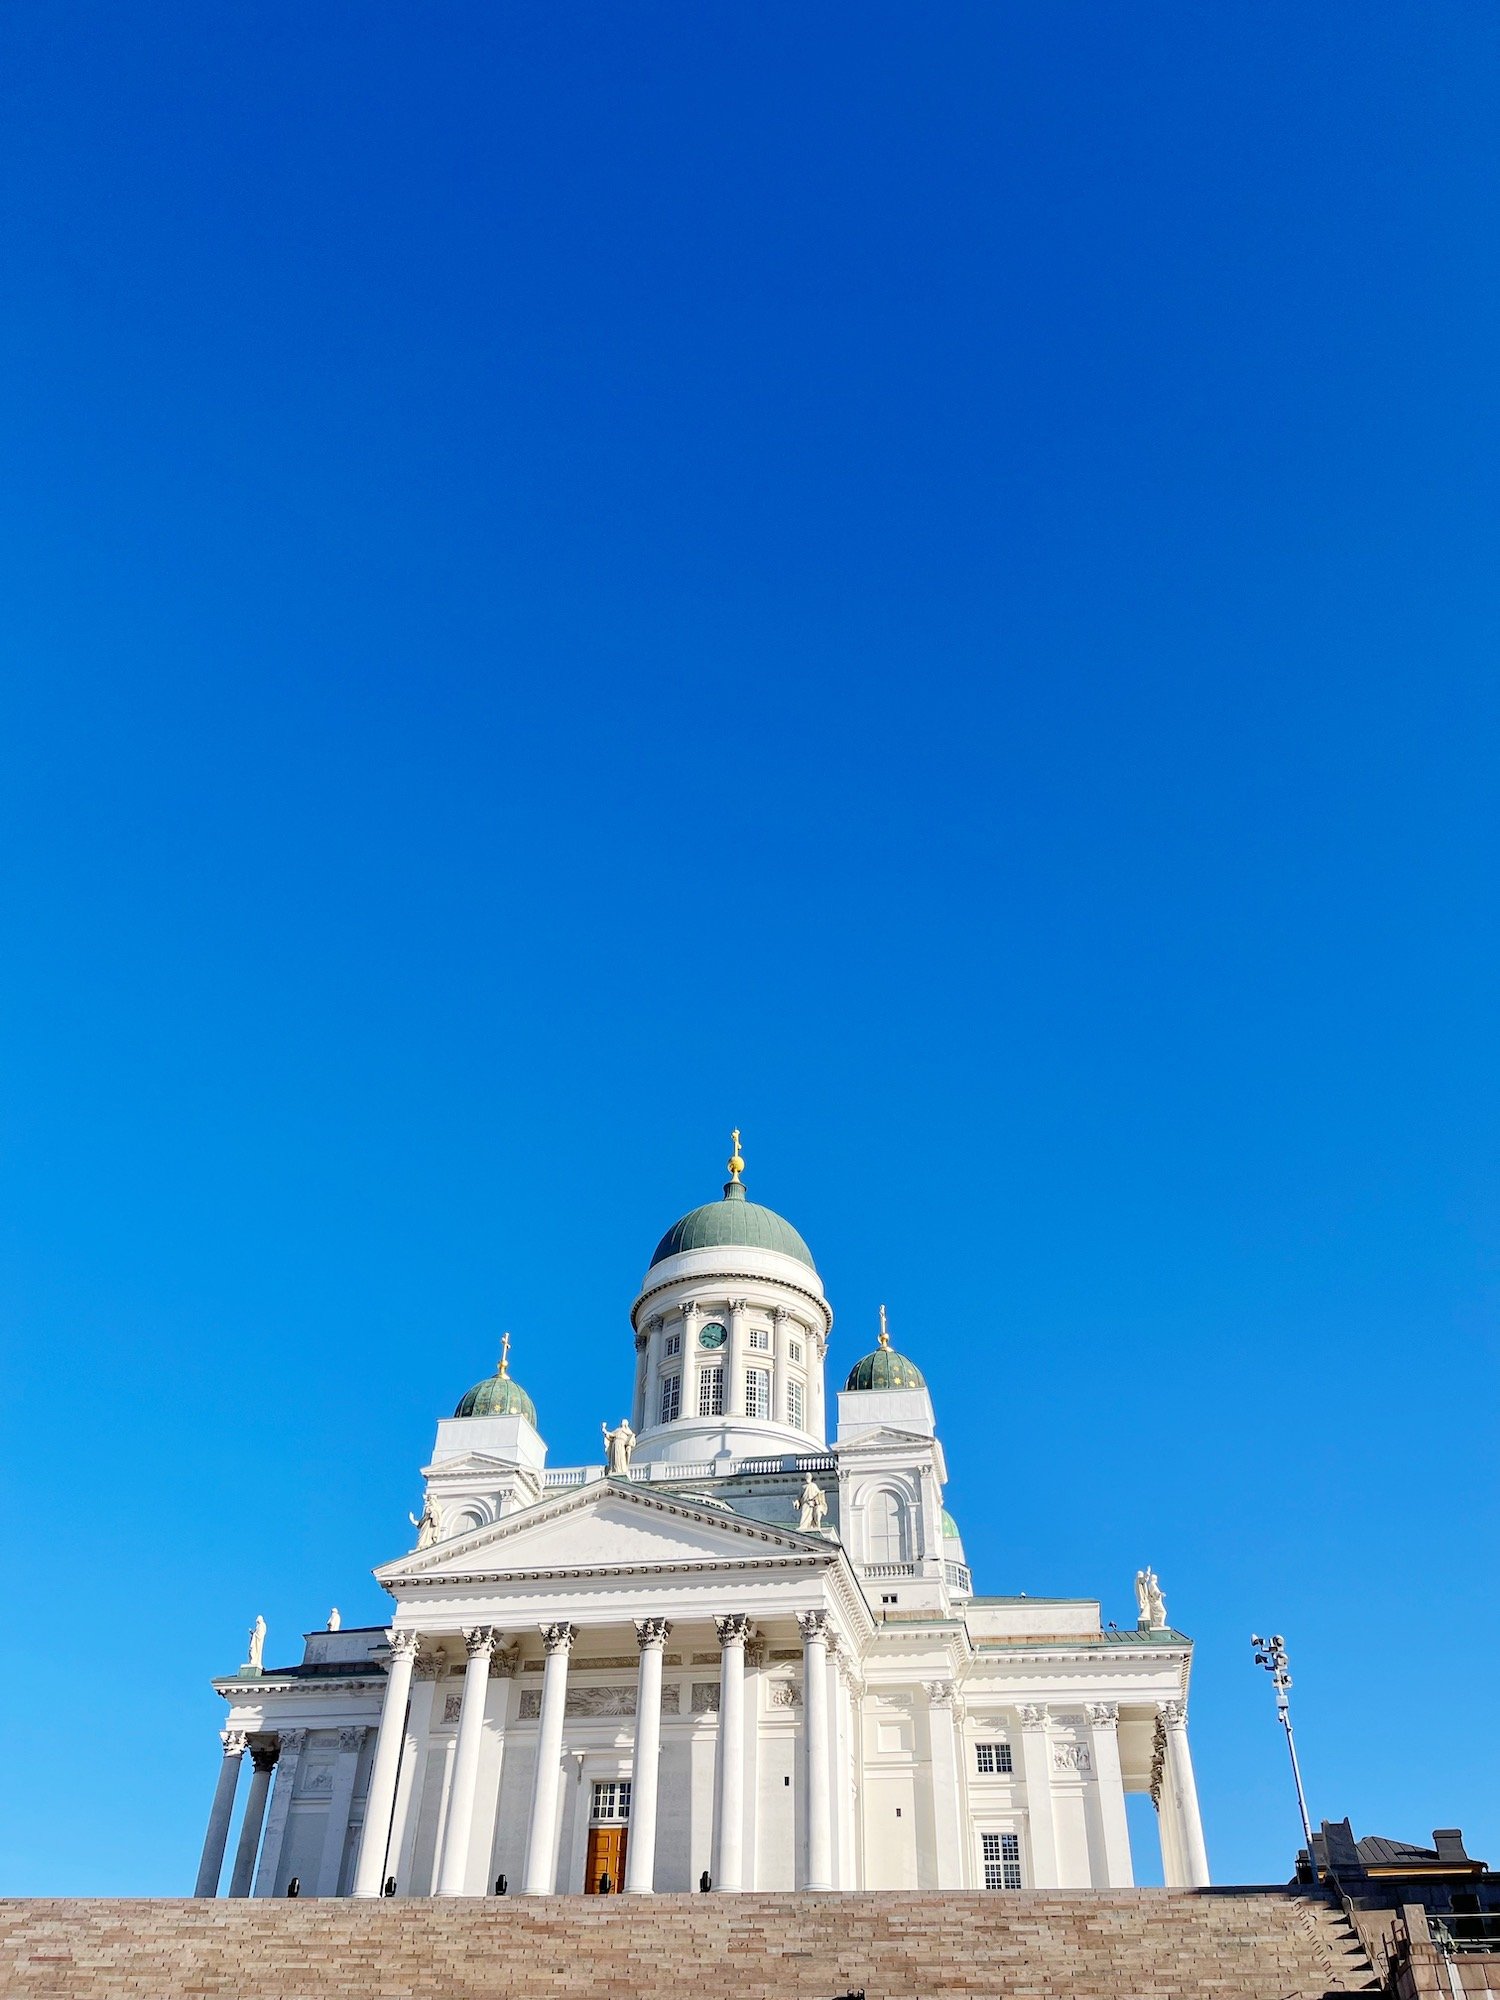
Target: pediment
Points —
{"points": [[467, 1464], [884, 1437], [609, 1525]]}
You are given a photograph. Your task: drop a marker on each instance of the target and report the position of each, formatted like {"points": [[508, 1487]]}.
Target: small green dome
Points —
{"points": [[733, 1223], [950, 1528], [885, 1369], [497, 1396]]}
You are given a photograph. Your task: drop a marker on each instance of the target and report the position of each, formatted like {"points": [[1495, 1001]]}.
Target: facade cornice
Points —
{"points": [[712, 1281], [290, 1684], [588, 1573]]}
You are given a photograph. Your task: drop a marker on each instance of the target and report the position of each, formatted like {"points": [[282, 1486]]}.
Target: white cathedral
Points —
{"points": [[737, 1655]]}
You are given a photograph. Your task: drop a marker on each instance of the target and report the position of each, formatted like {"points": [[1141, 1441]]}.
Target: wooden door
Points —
{"points": [[604, 1871]]}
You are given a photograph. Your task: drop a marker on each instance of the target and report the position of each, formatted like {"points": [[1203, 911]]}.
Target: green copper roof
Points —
{"points": [[950, 1528], [497, 1396], [733, 1223], [885, 1369]]}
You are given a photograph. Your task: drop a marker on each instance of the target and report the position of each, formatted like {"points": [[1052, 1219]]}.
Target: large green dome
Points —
{"points": [[497, 1396], [733, 1223]]}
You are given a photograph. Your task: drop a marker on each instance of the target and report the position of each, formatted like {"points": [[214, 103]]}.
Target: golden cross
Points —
{"points": [[885, 1338], [505, 1354]]}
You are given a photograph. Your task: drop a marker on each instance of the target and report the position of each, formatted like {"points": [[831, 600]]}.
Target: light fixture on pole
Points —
{"points": [[1271, 1654]]}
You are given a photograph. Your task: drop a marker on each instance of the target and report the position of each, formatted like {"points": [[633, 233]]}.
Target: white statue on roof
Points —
{"points": [[1151, 1606], [256, 1663], [430, 1525], [618, 1445], [812, 1505]]}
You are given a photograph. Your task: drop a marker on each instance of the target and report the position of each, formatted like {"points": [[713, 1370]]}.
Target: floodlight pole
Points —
{"points": [[1271, 1654]]}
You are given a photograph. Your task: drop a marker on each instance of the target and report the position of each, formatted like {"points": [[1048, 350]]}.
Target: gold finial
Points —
{"points": [[504, 1355], [736, 1164], [885, 1338]]}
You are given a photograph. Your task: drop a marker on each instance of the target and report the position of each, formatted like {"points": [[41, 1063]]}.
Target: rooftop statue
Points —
{"points": [[256, 1663], [1151, 1606], [812, 1505], [618, 1445], [430, 1525]]}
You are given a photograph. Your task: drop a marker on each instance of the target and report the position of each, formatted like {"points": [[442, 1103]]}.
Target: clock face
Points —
{"points": [[712, 1336]]}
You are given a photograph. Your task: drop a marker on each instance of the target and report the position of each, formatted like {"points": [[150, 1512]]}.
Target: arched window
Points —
{"points": [[886, 1527]]}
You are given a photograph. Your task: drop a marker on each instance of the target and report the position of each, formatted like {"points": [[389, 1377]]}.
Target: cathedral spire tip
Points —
{"points": [[736, 1164], [504, 1369], [885, 1338]]}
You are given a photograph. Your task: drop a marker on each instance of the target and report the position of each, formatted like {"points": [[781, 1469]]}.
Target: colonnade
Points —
{"points": [[539, 1870], [261, 1839]]}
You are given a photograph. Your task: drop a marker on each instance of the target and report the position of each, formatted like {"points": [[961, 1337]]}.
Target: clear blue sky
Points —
{"points": [[919, 580]]}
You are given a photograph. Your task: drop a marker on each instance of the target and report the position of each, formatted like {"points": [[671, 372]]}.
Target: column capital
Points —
{"points": [[642, 1342], [652, 1632], [1102, 1714], [505, 1661], [942, 1694], [780, 1313], [656, 1322], [353, 1738], [290, 1741], [1173, 1714], [431, 1666], [739, 1305], [690, 1310], [480, 1641], [403, 1643], [559, 1638], [234, 1741], [733, 1629], [1035, 1715], [263, 1755], [813, 1625]]}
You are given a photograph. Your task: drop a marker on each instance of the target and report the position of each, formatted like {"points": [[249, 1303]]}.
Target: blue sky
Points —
{"points": [[921, 581]]}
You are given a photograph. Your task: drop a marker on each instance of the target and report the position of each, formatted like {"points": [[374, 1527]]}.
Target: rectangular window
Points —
{"points": [[760, 1340], [757, 1392], [612, 1799], [991, 1759], [794, 1350], [794, 1406], [671, 1398], [1002, 1860], [672, 1344], [711, 1392]]}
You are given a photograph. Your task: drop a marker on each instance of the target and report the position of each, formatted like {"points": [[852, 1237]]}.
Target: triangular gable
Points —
{"points": [[608, 1524]]}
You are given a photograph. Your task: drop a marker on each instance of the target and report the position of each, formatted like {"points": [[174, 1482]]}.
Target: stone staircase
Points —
{"points": [[1120, 1944]]}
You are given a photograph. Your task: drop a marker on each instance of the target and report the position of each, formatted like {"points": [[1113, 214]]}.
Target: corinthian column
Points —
{"points": [[292, 1742], [640, 1844], [1104, 1740], [220, 1813], [263, 1759], [453, 1871], [729, 1841], [381, 1802], [814, 1629], [539, 1875], [1182, 1795]]}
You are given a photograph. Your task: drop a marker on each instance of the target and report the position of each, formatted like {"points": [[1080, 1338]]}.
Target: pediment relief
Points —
{"points": [[473, 1465]]}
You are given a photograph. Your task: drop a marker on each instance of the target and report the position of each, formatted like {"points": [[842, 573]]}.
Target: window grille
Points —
{"points": [[612, 1799], [757, 1392], [672, 1344], [794, 1350], [1002, 1860], [794, 1414], [671, 1398], [992, 1759], [760, 1340], [711, 1392]]}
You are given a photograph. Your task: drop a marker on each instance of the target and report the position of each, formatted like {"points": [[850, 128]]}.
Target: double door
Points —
{"points": [[604, 1870]]}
